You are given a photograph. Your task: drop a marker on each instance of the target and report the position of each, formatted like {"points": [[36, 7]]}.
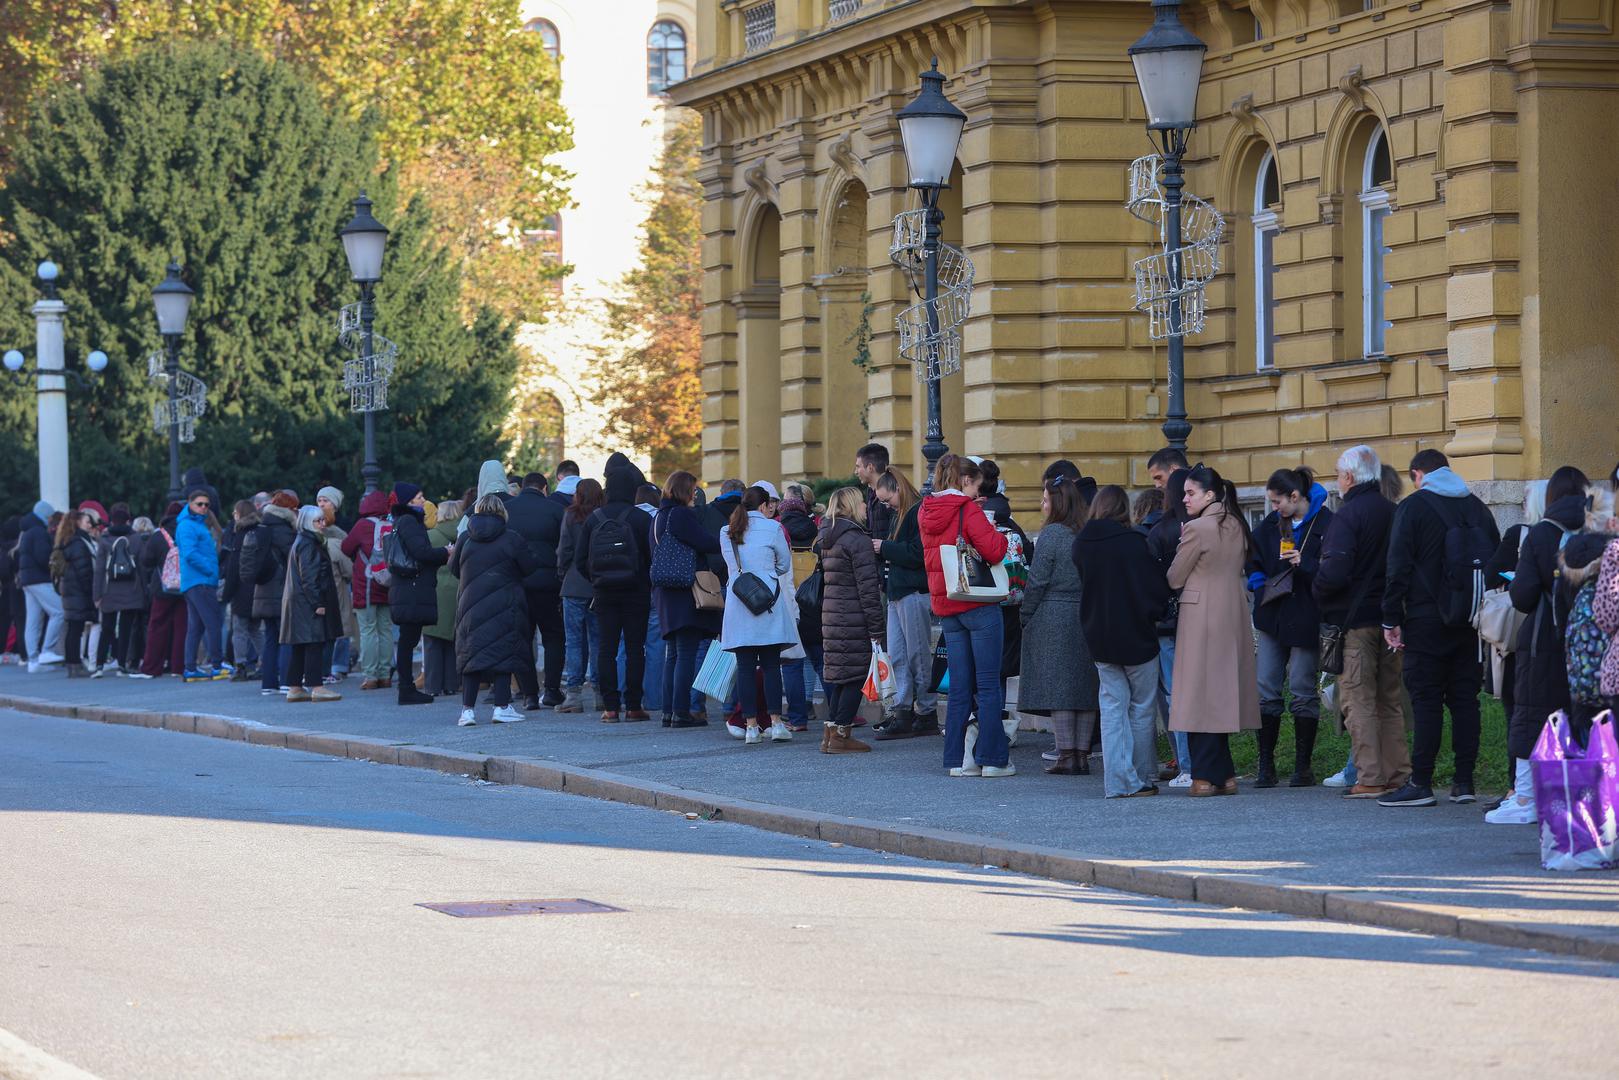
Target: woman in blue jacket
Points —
{"points": [[197, 535]]}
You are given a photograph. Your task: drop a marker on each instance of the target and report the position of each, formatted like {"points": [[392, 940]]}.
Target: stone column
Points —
{"points": [[52, 397]]}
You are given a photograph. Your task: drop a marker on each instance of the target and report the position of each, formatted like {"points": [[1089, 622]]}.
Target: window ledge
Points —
{"points": [[1371, 367], [1265, 379]]}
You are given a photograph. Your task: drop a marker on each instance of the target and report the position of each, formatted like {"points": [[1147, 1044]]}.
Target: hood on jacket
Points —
{"points": [[1318, 499], [273, 512], [30, 522], [1445, 483], [832, 530], [1581, 557], [940, 509], [491, 479], [623, 480], [194, 477], [485, 527], [43, 511], [376, 503], [1568, 512]]}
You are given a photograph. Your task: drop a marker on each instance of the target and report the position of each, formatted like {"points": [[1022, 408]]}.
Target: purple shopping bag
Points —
{"points": [[1577, 795]]}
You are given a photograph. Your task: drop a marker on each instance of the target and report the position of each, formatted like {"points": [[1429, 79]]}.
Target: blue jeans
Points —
{"points": [[679, 664], [792, 680], [973, 641], [1166, 685], [652, 677], [579, 625], [203, 616], [1129, 750]]}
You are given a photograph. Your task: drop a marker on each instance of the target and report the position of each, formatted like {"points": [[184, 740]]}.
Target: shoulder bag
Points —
{"points": [[749, 588], [1282, 586], [967, 577], [809, 592], [1331, 647]]}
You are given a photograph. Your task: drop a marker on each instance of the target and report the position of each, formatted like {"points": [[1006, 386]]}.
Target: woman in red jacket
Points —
{"points": [[972, 631]]}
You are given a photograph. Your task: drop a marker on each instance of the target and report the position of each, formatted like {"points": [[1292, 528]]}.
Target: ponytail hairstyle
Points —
{"points": [[1297, 481], [947, 473], [894, 480], [752, 499], [1225, 493]]}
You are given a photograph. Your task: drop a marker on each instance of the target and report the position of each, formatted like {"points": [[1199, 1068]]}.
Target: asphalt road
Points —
{"points": [[180, 907]]}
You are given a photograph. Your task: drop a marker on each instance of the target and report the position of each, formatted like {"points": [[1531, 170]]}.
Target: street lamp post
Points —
{"points": [[364, 241], [930, 128], [1169, 63], [172, 301]]}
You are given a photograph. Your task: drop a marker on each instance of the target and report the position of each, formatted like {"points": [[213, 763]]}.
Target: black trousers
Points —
{"points": [[1442, 670], [117, 635], [438, 665], [410, 635], [9, 617], [73, 642], [304, 669], [500, 692], [545, 615], [621, 615], [843, 702], [1211, 757]]}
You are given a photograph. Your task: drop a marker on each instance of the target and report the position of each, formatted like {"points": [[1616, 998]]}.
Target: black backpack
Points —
{"points": [[1468, 547], [120, 561], [614, 558]]}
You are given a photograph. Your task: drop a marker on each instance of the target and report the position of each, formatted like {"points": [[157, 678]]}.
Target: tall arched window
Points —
{"points": [[1267, 195], [549, 38], [1377, 171], [665, 56]]}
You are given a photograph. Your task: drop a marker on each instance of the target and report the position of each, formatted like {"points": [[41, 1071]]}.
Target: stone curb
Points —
{"points": [[1299, 899]]}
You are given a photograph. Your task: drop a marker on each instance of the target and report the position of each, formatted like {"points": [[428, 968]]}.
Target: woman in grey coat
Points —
{"points": [[1059, 677], [753, 543]]}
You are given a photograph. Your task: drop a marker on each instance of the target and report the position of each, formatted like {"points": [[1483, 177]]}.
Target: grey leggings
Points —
{"points": [[1074, 728]]}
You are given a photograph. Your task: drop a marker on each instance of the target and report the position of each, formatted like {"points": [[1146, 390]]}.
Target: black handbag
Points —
{"points": [[809, 592], [749, 588], [1282, 586], [1330, 648]]}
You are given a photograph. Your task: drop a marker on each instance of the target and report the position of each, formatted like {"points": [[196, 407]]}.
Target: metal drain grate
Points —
{"points": [[489, 909]]}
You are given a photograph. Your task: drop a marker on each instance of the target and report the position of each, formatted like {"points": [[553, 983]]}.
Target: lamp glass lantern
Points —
{"points": [[931, 129], [364, 241], [1169, 64], [172, 299]]}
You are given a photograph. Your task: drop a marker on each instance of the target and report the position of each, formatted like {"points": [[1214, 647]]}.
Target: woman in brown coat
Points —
{"points": [[852, 615], [1216, 679]]}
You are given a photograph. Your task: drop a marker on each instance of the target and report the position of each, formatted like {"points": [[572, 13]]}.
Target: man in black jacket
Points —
{"points": [[1349, 590], [870, 461], [564, 481], [537, 518], [716, 515], [1442, 662], [622, 607]]}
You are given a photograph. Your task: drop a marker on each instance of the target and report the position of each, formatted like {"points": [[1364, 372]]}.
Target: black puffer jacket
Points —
{"points": [[307, 584], [78, 582], [538, 520], [414, 600], [801, 530], [1164, 539], [1356, 550], [262, 563], [1540, 672], [852, 614], [33, 551], [491, 609], [230, 564]]}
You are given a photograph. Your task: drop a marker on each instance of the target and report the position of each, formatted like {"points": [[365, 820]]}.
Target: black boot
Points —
{"points": [[1270, 729], [925, 723], [1304, 731], [901, 726]]}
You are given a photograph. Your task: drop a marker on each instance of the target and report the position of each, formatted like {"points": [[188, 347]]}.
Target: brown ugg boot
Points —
{"points": [[837, 740]]}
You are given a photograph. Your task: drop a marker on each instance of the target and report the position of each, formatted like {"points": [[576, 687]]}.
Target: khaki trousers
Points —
{"points": [[1374, 708]]}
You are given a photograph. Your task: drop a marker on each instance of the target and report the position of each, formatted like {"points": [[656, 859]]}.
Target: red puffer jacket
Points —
{"points": [[940, 518], [359, 544]]}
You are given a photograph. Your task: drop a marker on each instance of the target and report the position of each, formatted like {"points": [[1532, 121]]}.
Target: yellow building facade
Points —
{"points": [[1419, 247]]}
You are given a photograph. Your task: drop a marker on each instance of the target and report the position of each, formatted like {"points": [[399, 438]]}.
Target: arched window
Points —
{"points": [[1377, 172], [1267, 195], [665, 56], [549, 38]]}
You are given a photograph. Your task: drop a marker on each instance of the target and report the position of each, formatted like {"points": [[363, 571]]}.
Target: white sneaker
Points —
{"points": [[752, 737], [998, 770], [779, 732], [506, 714], [967, 770], [96, 673], [468, 719], [735, 731], [49, 657], [1049, 755], [1337, 779], [1181, 780], [139, 675], [33, 667], [1513, 812]]}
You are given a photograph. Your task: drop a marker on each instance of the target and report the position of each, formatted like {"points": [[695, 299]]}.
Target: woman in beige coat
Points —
{"points": [[1216, 682]]}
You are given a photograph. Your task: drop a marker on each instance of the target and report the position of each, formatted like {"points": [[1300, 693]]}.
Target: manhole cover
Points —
{"points": [[489, 909]]}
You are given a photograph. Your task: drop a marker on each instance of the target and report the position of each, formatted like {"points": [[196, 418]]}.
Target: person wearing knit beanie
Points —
{"points": [[331, 495], [404, 492]]}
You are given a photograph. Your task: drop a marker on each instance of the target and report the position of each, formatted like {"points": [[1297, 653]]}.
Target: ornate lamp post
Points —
{"points": [[172, 301], [1169, 63], [365, 239], [50, 373], [930, 128]]}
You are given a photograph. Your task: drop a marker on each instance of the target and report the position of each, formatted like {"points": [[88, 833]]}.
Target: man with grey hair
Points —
{"points": [[1349, 590]]}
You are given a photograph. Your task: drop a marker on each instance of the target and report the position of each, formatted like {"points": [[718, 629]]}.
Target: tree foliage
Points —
{"points": [[651, 367], [467, 100], [232, 164]]}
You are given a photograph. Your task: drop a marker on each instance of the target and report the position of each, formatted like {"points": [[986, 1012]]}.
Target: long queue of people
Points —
{"points": [[1115, 617]]}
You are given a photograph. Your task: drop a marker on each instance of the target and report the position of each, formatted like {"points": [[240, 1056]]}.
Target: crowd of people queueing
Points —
{"points": [[1115, 616]]}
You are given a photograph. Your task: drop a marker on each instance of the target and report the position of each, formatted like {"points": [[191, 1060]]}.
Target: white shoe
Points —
{"points": [[468, 719], [96, 673], [735, 731], [753, 737], [1049, 755], [779, 732], [1513, 812], [506, 714], [48, 657], [997, 770], [967, 770], [1181, 780], [1338, 779], [139, 675], [33, 667]]}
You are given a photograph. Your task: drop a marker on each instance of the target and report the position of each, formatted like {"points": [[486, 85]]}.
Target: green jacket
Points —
{"points": [[903, 567], [441, 534]]}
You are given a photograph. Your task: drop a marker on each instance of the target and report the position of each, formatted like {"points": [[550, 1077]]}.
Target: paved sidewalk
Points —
{"points": [[1446, 859]]}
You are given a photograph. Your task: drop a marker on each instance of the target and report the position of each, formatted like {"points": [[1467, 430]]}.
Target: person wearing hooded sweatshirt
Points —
{"points": [[537, 518], [1287, 551], [262, 574], [566, 483], [43, 633], [972, 630], [309, 611], [166, 620], [615, 555], [413, 600], [493, 636], [120, 592], [1442, 665], [198, 536], [1123, 593], [1163, 540], [363, 545]]}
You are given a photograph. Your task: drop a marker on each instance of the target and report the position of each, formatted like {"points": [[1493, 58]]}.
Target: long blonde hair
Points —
{"points": [[847, 502]]}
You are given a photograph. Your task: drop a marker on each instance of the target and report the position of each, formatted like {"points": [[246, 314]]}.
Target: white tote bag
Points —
{"points": [[967, 575]]}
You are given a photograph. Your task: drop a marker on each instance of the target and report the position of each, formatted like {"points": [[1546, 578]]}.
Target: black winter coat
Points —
{"points": [[308, 584], [801, 529], [852, 614], [262, 564], [78, 582], [126, 595], [714, 518], [676, 608], [903, 564], [622, 483], [491, 611], [1355, 550], [1294, 620], [230, 564], [1123, 593], [414, 600], [1540, 672], [538, 520], [33, 552], [879, 518]]}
